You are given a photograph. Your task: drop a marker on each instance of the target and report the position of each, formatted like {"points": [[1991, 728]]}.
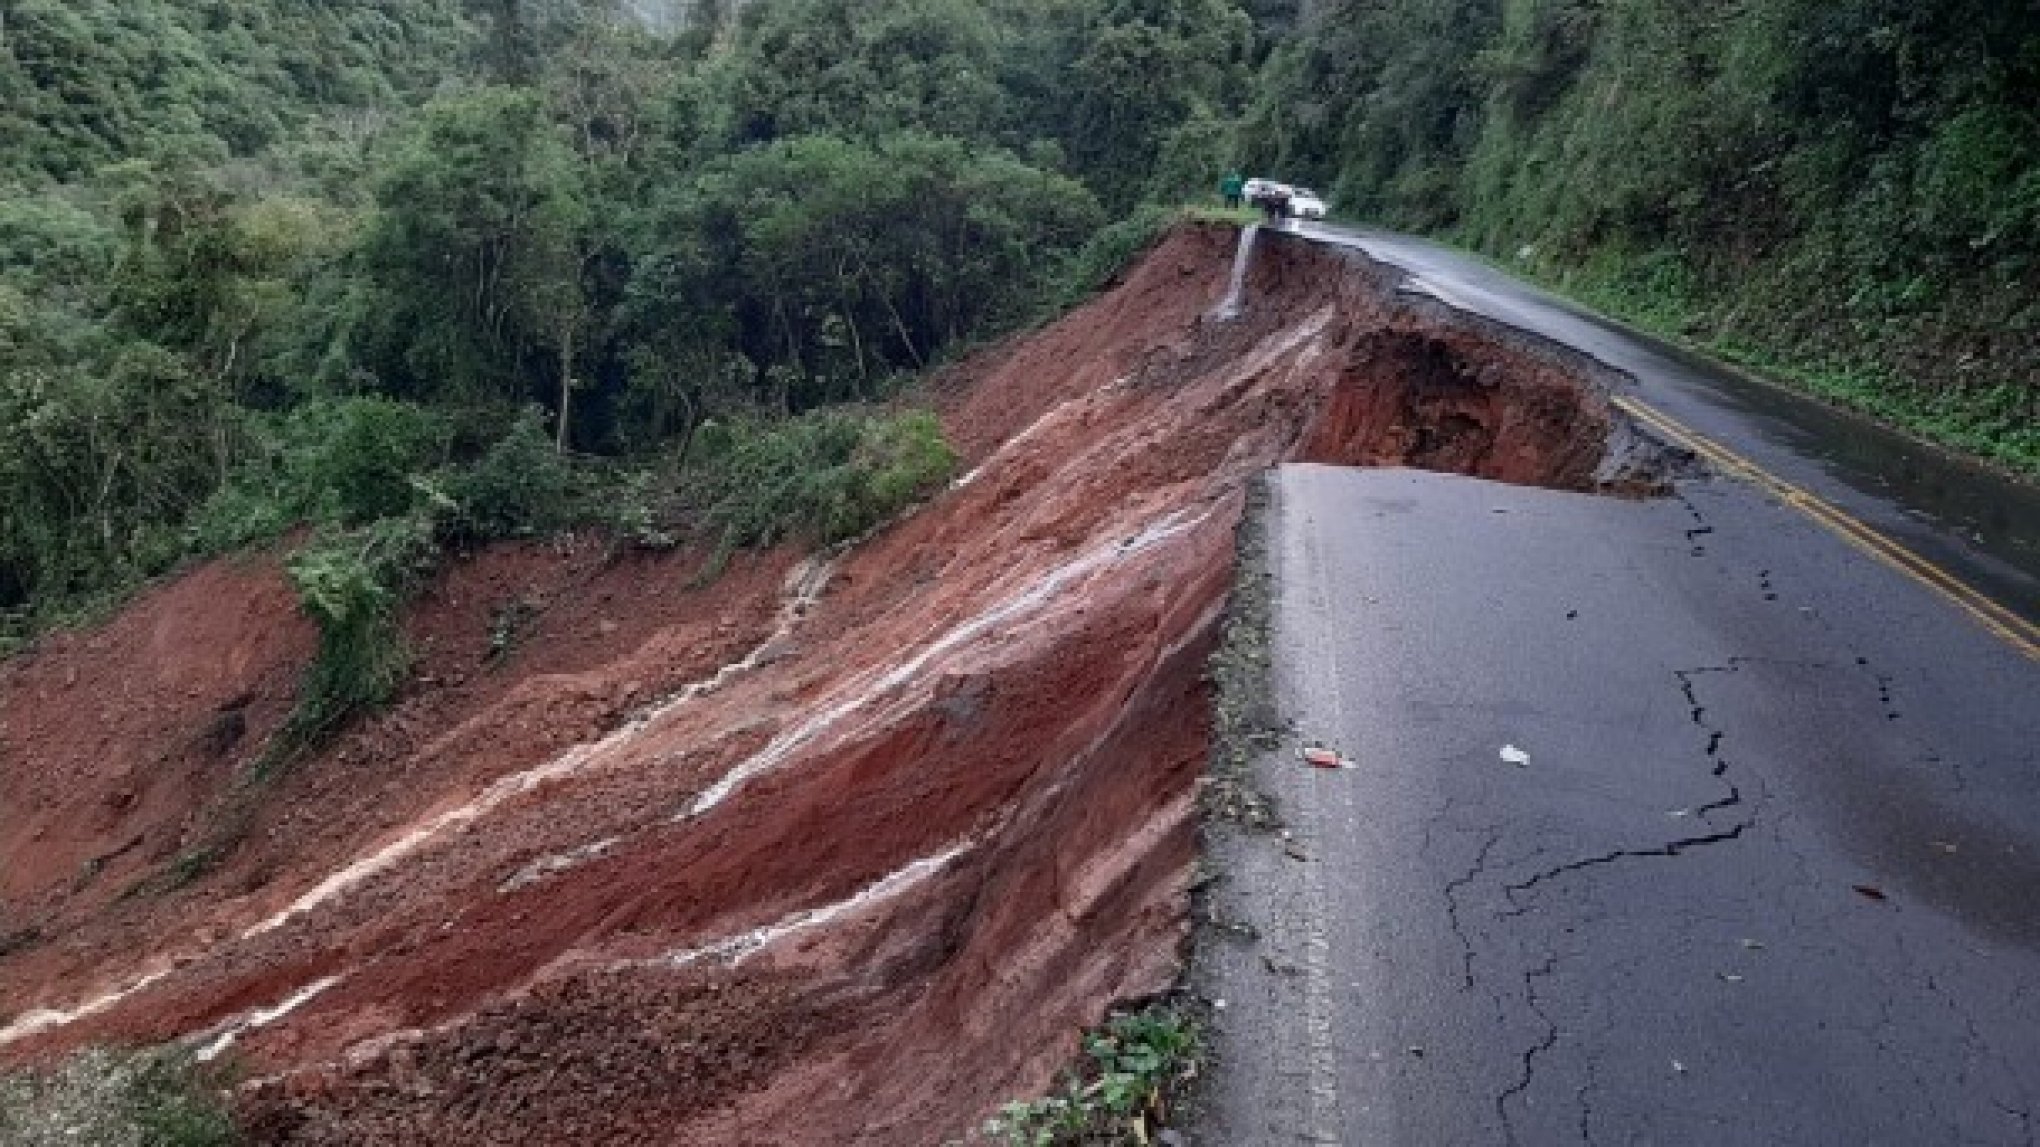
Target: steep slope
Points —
{"points": [[874, 847]]}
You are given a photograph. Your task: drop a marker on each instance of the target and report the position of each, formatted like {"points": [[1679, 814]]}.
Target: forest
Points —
{"points": [[390, 278], [404, 277]]}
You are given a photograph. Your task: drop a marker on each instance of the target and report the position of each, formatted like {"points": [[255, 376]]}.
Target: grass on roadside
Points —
{"points": [[1118, 1093], [116, 1099], [1991, 423]]}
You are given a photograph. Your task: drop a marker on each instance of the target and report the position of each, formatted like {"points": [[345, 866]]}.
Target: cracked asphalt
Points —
{"points": [[1772, 871], [1771, 874]]}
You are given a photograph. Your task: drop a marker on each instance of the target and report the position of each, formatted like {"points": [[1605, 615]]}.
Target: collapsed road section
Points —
{"points": [[829, 853], [1678, 820]]}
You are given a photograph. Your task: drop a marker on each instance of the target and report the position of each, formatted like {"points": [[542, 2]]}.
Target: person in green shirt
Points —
{"points": [[1234, 184]]}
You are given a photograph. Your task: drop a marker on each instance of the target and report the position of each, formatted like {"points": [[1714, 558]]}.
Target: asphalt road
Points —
{"points": [[1771, 871], [1979, 525]]}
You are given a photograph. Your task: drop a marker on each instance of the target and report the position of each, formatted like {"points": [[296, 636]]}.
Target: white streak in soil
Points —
{"points": [[861, 693], [263, 1017], [803, 587], [734, 950], [1005, 447], [549, 866], [40, 1020]]}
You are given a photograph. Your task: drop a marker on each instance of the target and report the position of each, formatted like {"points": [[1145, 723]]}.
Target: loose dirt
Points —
{"points": [[820, 853]]}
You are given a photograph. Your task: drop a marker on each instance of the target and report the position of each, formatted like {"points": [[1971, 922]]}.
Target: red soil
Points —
{"points": [[113, 738], [864, 889]]}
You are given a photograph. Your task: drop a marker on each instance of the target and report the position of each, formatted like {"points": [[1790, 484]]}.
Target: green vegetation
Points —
{"points": [[351, 583], [1118, 1094], [1991, 421], [1844, 193], [826, 474], [85, 83], [379, 279], [419, 275], [110, 1099]]}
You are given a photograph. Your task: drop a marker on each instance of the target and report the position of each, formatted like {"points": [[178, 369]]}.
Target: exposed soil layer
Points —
{"points": [[841, 852], [113, 738]]}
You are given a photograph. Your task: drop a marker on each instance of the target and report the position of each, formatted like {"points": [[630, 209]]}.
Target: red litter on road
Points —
{"points": [[1319, 757]]}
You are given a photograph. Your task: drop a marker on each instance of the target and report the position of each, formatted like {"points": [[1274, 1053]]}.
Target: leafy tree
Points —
{"points": [[475, 256], [829, 264], [863, 68], [1852, 182], [1146, 68], [84, 83]]}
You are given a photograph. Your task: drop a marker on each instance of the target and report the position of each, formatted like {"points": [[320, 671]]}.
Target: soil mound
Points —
{"points": [[833, 851]]}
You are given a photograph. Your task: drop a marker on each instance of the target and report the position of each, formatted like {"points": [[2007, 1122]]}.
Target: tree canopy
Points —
{"points": [[234, 233]]}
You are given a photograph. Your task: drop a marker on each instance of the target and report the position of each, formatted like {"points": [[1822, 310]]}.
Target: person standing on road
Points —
{"points": [[1234, 184]]}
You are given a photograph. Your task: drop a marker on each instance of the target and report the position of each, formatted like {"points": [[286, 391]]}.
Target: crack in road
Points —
{"points": [[1588, 1086], [1674, 848], [1529, 1062], [1718, 767], [1973, 1037], [1452, 904], [1701, 527], [2024, 1116]]}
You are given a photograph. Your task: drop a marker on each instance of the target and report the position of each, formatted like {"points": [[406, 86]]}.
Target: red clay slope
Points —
{"points": [[861, 883]]}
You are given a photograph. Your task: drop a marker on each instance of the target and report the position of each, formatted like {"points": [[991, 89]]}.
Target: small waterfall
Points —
{"points": [[1235, 292]]}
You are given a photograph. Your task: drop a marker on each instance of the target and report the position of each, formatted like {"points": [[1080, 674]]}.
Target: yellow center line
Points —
{"points": [[2014, 630]]}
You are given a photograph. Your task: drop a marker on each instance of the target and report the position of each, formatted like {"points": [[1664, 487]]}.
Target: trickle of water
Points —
{"points": [[1236, 290]]}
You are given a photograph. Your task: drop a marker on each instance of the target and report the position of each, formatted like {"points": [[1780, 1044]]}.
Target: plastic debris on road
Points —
{"points": [[1511, 755], [1320, 757]]}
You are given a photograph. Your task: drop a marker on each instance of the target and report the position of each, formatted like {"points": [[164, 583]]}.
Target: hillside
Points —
{"points": [[855, 845], [634, 569]]}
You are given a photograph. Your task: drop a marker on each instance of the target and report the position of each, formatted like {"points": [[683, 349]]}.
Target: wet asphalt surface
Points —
{"points": [[1980, 525], [1771, 872]]}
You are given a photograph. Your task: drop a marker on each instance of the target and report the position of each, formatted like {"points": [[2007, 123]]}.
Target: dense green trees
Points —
{"points": [[471, 265], [84, 83], [1145, 71], [269, 262], [843, 263]]}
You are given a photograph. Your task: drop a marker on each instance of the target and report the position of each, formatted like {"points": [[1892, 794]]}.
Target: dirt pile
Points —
{"points": [[833, 852]]}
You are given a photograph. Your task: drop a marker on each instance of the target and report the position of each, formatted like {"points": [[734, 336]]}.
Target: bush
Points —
{"points": [[519, 487], [826, 475], [1130, 1066], [112, 1100], [1110, 251], [351, 461], [352, 584], [343, 462]]}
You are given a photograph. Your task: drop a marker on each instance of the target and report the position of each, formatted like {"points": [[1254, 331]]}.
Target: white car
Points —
{"points": [[1280, 199], [1306, 204], [1258, 189]]}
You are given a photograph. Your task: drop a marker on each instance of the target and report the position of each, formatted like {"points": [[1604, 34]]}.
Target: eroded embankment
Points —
{"points": [[914, 825]]}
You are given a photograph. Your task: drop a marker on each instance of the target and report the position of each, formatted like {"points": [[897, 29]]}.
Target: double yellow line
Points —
{"points": [[2014, 630]]}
